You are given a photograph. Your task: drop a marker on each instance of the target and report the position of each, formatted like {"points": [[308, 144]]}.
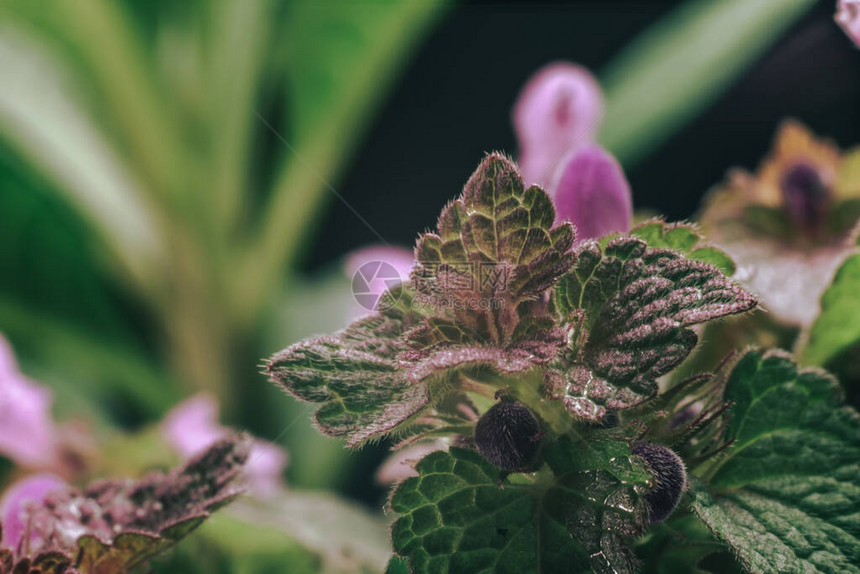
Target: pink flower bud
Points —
{"points": [[848, 18], [27, 434], [592, 193], [559, 109], [13, 505]]}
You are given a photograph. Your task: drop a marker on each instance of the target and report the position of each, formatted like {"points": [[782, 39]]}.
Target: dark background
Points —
{"points": [[453, 104]]}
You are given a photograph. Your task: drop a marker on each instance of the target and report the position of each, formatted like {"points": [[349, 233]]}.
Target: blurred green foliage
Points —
{"points": [[150, 240]]}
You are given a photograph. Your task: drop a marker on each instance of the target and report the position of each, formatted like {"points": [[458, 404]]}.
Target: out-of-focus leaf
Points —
{"points": [[346, 537], [113, 526], [226, 544], [341, 61], [121, 86], [49, 259], [837, 327], [101, 369], [682, 64], [42, 117]]}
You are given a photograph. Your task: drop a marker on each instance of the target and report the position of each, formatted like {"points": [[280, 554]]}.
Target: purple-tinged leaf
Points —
{"points": [[496, 247], [560, 108], [635, 306], [355, 376], [591, 192], [114, 525]]}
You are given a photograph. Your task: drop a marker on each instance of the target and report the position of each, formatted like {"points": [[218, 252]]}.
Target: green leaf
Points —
{"points": [[345, 536], [633, 307], [837, 327], [786, 495], [677, 546], [226, 544], [458, 517], [397, 565], [685, 239], [679, 66], [355, 376]]}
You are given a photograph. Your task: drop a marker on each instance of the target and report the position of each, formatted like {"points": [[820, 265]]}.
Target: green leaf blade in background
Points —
{"points": [[786, 495], [837, 327], [336, 91], [673, 71]]}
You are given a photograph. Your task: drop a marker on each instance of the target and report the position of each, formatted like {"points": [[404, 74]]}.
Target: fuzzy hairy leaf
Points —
{"points": [[476, 301], [686, 240], [496, 244], [355, 376], [457, 517], [629, 308], [786, 495], [837, 327]]}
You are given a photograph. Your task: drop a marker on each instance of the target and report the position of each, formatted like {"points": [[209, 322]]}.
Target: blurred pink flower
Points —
{"points": [[592, 193], [400, 258], [848, 18], [559, 109], [15, 501], [401, 464], [192, 426], [27, 434]]}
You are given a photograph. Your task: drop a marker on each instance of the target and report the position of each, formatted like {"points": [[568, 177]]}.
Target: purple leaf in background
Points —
{"points": [[559, 109], [592, 193], [192, 427], [27, 434], [848, 18], [12, 505]]}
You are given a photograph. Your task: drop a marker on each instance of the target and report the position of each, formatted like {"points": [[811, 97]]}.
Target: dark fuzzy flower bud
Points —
{"points": [[669, 479], [508, 435], [804, 194]]}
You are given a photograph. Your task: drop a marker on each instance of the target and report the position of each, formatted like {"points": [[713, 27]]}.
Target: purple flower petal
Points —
{"points": [[16, 498], [192, 426], [27, 434], [560, 108], [848, 18], [592, 193]]}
